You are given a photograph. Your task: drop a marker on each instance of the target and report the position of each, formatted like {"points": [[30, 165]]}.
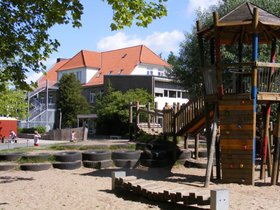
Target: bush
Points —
{"points": [[40, 129]]}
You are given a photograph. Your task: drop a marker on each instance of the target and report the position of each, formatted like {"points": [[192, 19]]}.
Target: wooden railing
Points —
{"points": [[177, 122]]}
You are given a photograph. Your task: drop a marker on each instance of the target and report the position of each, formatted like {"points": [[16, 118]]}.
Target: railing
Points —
{"points": [[186, 116], [237, 77]]}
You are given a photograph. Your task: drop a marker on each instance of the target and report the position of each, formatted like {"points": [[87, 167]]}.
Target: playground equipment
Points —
{"points": [[235, 94]]}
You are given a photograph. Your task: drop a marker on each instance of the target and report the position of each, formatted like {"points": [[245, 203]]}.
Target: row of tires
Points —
{"points": [[70, 160]]}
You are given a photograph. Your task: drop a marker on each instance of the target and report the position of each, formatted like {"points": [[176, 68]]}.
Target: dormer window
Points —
{"points": [[120, 71]]}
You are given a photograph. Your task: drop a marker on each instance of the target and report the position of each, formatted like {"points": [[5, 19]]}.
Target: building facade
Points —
{"points": [[127, 68]]}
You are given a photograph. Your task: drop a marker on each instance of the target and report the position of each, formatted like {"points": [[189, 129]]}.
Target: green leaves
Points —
{"points": [[127, 11], [113, 109], [13, 103], [70, 100]]}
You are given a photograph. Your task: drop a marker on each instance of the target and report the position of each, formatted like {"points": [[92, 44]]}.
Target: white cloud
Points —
{"points": [[194, 5], [159, 42]]}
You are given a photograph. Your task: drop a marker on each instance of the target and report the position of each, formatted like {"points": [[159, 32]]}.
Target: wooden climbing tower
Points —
{"points": [[239, 88]]}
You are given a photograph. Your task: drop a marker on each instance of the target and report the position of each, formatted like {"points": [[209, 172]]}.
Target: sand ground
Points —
{"points": [[86, 188]]}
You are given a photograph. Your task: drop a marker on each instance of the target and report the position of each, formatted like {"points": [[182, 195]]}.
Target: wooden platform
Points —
{"points": [[156, 191]]}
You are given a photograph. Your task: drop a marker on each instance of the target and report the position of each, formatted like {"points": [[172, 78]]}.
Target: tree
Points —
{"points": [[24, 25], [186, 66], [113, 109], [13, 103], [70, 101]]}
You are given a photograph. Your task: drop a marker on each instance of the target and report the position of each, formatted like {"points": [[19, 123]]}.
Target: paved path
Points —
{"points": [[27, 143]]}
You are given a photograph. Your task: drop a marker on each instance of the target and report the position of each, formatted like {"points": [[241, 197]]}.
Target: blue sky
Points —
{"points": [[162, 36]]}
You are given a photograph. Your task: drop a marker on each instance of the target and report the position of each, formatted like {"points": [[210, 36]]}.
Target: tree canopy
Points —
{"points": [[13, 103], [113, 109], [70, 101], [24, 25]]}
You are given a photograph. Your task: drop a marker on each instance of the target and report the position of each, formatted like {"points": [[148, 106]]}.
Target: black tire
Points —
{"points": [[125, 163], [6, 166], [97, 164], [184, 154], [11, 156], [68, 156], [67, 165], [191, 163], [96, 155], [36, 157], [155, 163], [35, 166], [127, 155]]}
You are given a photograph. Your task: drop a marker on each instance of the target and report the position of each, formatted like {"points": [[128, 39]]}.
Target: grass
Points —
{"points": [[91, 147]]}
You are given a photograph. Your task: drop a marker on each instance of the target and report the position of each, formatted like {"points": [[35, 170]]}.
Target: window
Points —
{"points": [[51, 100], [79, 75], [165, 93], [158, 94], [178, 94], [92, 97], [149, 72], [172, 94]]}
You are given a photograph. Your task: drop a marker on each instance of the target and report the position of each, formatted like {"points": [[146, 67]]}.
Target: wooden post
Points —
{"points": [[137, 113], [212, 148], [220, 89], [186, 141], [218, 154], [149, 115], [196, 141], [275, 167], [130, 120]]}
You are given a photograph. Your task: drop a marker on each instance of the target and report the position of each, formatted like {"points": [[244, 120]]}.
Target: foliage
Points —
{"points": [[40, 129], [186, 66], [13, 103], [113, 109], [24, 26], [70, 101]]}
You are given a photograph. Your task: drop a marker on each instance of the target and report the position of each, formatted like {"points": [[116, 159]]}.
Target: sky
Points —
{"points": [[162, 36]]}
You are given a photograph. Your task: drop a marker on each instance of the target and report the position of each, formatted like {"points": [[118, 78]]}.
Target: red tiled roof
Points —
{"points": [[110, 62], [82, 59], [126, 60], [51, 74]]}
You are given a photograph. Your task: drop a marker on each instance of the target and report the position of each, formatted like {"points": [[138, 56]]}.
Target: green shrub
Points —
{"points": [[40, 129]]}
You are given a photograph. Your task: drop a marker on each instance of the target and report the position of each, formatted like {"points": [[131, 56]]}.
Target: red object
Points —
{"points": [[244, 147], [7, 124]]}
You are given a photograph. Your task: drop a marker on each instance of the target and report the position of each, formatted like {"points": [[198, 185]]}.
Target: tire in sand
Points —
{"points": [[11, 156], [68, 156], [97, 164], [67, 165], [96, 155], [6, 166], [126, 155], [36, 157], [35, 166]]}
